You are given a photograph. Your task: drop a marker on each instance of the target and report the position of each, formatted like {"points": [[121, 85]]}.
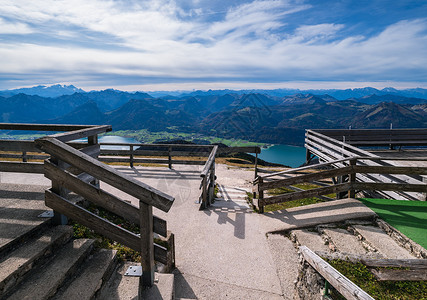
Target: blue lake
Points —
{"points": [[292, 156], [116, 139]]}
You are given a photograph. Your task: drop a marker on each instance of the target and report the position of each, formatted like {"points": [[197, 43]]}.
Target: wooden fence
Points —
{"points": [[341, 283], [349, 169], [79, 171], [333, 145]]}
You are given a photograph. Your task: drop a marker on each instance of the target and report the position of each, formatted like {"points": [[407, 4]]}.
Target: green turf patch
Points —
{"points": [[409, 217]]}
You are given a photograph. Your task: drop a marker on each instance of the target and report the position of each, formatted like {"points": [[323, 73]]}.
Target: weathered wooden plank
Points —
{"points": [[21, 167], [94, 222], [13, 145], [380, 186], [100, 197], [305, 178], [105, 152], [209, 162], [342, 187], [146, 243], [81, 133], [41, 127], [106, 173], [150, 161], [395, 263], [400, 275], [161, 254], [341, 283], [391, 170]]}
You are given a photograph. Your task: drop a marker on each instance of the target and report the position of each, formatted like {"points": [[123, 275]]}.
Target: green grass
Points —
{"points": [[362, 277], [409, 217]]}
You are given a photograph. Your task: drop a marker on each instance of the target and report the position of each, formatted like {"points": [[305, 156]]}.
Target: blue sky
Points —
{"points": [[202, 44]]}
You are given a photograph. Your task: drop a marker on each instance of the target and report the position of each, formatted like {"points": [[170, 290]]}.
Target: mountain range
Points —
{"points": [[252, 116]]}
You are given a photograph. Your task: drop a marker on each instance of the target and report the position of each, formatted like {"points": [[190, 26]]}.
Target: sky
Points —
{"points": [[201, 44]]}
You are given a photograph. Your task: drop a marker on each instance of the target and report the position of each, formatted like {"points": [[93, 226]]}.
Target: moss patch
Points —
{"points": [[360, 275]]}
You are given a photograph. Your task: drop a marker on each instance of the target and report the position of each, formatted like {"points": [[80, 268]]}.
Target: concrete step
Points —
{"points": [[18, 263], [382, 242], [163, 288], [312, 240], [120, 287], [20, 208], [44, 282], [90, 278], [344, 241]]}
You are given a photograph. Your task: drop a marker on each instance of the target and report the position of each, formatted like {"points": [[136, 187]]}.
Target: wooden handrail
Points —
{"points": [[108, 174], [209, 162], [341, 283], [42, 127], [81, 133]]}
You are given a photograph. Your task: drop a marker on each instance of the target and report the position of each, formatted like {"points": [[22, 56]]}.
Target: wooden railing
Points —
{"points": [[345, 178], [74, 167], [390, 138], [208, 180], [326, 145], [22, 156], [138, 153], [341, 283]]}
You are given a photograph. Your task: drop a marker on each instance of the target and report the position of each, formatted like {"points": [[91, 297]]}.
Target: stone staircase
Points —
{"points": [[358, 238], [42, 261], [51, 265]]}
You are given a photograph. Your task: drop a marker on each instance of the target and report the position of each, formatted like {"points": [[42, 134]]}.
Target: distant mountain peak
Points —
{"points": [[50, 91]]}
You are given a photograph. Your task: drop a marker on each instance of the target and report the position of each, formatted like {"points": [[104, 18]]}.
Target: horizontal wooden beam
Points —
{"points": [[391, 170], [305, 178], [21, 167], [150, 161], [341, 283], [400, 275], [108, 174], [380, 186], [81, 133], [16, 145], [41, 127], [395, 263], [306, 194]]}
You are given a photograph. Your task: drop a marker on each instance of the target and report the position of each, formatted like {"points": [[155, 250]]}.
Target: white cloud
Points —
{"points": [[249, 42], [13, 27]]}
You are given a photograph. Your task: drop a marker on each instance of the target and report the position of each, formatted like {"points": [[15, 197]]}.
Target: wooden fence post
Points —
{"points": [[260, 197], [24, 156], [204, 192], [131, 156], [57, 188], [256, 164], [352, 179], [170, 157], [212, 184], [147, 246]]}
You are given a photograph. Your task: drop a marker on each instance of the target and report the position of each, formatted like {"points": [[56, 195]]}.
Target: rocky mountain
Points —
{"points": [[44, 91], [111, 99], [87, 114], [386, 113], [375, 99], [255, 117]]}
